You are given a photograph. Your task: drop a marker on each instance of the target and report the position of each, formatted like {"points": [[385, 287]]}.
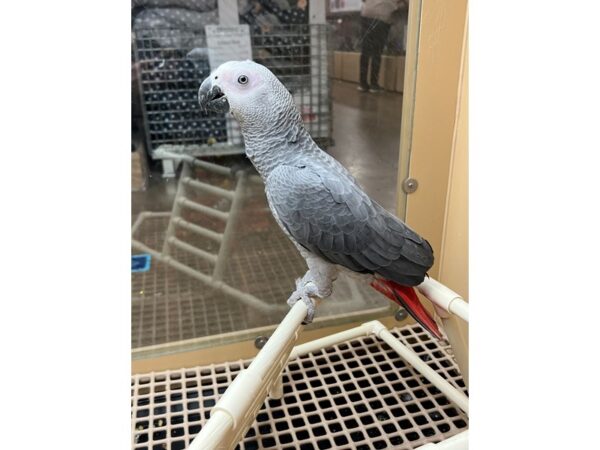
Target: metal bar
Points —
{"points": [[187, 203], [154, 120], [226, 243], [210, 257], [198, 229], [208, 188], [139, 85]]}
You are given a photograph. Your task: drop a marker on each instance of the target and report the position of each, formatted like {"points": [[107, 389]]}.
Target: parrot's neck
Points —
{"points": [[283, 140]]}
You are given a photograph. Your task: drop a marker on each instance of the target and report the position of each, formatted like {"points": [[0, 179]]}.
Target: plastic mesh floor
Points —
{"points": [[355, 395]]}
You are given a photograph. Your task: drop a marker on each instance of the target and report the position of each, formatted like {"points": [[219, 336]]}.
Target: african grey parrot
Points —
{"points": [[314, 199]]}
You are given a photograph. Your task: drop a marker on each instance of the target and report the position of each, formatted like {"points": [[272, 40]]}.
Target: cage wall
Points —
{"points": [[173, 62]]}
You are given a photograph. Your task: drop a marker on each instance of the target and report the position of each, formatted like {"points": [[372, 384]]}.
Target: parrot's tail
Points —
{"points": [[406, 297]]}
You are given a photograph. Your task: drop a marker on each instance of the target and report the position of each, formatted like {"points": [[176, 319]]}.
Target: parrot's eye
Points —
{"points": [[243, 79]]}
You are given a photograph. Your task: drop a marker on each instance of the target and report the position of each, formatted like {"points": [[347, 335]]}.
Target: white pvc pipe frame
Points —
{"points": [[237, 409], [224, 239]]}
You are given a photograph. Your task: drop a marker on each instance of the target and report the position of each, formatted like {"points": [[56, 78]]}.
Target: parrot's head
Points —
{"points": [[249, 90]]}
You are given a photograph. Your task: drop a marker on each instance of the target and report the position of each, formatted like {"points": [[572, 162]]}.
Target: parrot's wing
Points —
{"points": [[329, 214]]}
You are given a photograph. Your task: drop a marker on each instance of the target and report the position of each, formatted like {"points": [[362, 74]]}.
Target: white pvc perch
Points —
{"points": [[413, 359], [237, 409], [378, 329], [444, 298], [187, 203]]}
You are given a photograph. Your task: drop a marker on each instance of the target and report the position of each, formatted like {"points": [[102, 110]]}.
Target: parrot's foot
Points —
{"points": [[304, 291]]}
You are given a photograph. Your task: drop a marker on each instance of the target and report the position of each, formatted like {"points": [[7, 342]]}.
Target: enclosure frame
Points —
{"points": [[433, 77], [238, 407]]}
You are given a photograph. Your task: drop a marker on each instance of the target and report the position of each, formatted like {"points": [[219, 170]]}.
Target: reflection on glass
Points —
{"points": [[220, 265]]}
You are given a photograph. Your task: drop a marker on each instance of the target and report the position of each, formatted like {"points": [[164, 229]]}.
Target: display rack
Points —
{"points": [[173, 62]]}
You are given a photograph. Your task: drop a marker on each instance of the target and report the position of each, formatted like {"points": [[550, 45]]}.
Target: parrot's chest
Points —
{"points": [[278, 220], [303, 251]]}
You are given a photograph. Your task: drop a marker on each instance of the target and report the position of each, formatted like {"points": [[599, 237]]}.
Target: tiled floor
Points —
{"points": [[168, 305], [366, 131]]}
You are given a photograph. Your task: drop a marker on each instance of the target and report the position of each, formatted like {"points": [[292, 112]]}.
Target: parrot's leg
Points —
{"points": [[317, 282]]}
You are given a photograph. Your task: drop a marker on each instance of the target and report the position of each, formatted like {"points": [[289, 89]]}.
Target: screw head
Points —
{"points": [[410, 185], [260, 341], [401, 315]]}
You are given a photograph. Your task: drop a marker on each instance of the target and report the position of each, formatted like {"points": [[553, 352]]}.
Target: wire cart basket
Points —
{"points": [[173, 62]]}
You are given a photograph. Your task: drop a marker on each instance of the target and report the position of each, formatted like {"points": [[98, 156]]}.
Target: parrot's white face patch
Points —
{"points": [[240, 81], [251, 92]]}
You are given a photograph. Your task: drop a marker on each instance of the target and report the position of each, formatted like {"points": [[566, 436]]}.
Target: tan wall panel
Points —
{"points": [[337, 65], [347, 68], [433, 146], [440, 42], [454, 258], [350, 66]]}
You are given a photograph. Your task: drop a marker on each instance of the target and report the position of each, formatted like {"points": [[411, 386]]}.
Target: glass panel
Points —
{"points": [[211, 264]]}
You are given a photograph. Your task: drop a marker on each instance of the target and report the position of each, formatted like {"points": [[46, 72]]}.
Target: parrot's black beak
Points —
{"points": [[212, 98]]}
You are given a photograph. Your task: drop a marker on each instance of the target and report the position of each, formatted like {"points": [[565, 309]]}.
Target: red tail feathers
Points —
{"points": [[406, 297]]}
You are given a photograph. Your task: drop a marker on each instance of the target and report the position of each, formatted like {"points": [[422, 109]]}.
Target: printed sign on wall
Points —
{"points": [[226, 43]]}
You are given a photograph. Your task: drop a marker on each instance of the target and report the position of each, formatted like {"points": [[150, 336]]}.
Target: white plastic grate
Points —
{"points": [[359, 394]]}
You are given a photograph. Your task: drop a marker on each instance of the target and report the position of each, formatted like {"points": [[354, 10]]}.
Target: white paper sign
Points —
{"points": [[337, 6], [226, 43]]}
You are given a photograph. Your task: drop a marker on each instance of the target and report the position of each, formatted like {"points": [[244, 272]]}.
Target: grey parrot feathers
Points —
{"points": [[313, 197], [327, 213]]}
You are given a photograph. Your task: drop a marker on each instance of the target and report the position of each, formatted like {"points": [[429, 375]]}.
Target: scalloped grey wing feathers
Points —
{"points": [[327, 213]]}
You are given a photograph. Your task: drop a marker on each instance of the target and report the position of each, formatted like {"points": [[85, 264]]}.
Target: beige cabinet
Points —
{"points": [[391, 76]]}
